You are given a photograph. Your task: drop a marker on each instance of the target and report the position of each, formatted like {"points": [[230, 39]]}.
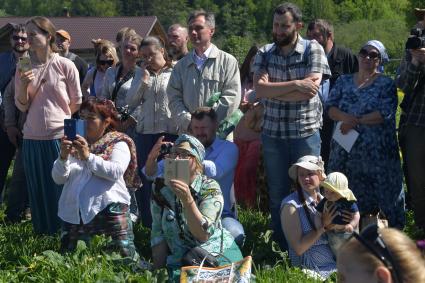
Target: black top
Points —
{"points": [[80, 63], [341, 204], [341, 61]]}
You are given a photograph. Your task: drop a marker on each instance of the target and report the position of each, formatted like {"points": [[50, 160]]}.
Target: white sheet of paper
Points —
{"points": [[346, 141]]}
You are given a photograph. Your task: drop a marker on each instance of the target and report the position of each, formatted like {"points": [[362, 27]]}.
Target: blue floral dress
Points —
{"points": [[373, 165]]}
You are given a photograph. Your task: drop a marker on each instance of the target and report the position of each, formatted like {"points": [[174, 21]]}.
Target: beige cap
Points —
{"points": [[309, 162], [64, 34]]}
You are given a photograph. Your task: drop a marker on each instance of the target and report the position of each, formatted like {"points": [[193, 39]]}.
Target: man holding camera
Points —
{"points": [[411, 80], [220, 161]]}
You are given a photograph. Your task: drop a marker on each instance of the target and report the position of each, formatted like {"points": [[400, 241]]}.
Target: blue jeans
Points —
{"points": [[235, 228], [279, 155]]}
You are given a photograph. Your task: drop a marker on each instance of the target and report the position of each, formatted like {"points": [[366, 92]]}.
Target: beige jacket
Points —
{"points": [[149, 103], [190, 88]]}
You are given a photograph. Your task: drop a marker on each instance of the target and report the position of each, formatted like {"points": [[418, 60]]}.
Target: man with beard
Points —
{"points": [[202, 73], [341, 61], [287, 76], [63, 41], [219, 164], [177, 41], [10, 129]]}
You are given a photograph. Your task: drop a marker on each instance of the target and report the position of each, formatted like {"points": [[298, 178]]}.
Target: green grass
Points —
{"points": [[26, 257]]}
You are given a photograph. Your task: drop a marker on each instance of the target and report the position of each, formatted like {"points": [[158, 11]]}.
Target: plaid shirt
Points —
{"points": [[292, 119], [411, 80]]}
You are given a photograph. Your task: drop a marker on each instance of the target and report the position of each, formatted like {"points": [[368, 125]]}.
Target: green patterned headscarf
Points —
{"points": [[191, 145]]}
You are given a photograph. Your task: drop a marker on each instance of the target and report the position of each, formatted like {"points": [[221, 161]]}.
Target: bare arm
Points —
{"points": [[151, 165], [372, 118]]}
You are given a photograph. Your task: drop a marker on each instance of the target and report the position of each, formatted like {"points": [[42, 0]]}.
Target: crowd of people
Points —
{"points": [[322, 119]]}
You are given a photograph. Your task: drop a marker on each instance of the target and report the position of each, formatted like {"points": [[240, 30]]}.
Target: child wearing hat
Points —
{"points": [[340, 198]]}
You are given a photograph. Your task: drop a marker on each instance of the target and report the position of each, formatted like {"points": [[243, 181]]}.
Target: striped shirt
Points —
{"points": [[319, 257], [292, 119]]}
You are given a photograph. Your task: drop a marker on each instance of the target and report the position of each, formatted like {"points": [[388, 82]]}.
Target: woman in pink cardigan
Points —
{"points": [[49, 92]]}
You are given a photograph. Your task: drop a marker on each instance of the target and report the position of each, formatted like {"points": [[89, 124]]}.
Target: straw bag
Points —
{"points": [[234, 272]]}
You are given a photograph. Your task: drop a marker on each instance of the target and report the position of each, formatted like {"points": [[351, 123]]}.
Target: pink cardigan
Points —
{"points": [[59, 89]]}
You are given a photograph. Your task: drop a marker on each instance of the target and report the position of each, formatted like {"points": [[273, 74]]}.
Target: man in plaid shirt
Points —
{"points": [[411, 80], [287, 76]]}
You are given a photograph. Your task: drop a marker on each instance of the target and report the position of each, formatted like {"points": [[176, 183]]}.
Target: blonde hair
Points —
{"points": [[408, 259]]}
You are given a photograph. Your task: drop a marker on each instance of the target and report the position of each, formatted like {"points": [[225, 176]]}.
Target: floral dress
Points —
{"points": [[373, 165], [170, 224]]}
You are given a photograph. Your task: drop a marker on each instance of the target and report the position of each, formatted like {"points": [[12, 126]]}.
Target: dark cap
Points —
{"points": [[420, 14]]}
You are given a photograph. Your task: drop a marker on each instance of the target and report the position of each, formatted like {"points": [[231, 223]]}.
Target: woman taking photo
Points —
{"points": [[366, 102], [187, 217], [106, 57], [384, 255], [48, 89], [95, 171], [149, 97], [118, 79], [308, 245]]}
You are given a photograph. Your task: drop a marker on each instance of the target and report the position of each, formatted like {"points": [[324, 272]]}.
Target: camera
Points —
{"points": [[123, 113], [165, 148], [416, 39]]}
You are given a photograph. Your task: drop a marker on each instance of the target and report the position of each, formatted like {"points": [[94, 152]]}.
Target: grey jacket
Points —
{"points": [[190, 88], [149, 103], [13, 117]]}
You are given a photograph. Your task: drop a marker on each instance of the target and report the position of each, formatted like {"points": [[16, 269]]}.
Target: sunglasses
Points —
{"points": [[17, 38], [106, 62], [372, 54], [371, 239], [181, 155]]}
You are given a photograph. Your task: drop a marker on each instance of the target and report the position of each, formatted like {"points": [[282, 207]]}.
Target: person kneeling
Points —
{"points": [[95, 171], [186, 217]]}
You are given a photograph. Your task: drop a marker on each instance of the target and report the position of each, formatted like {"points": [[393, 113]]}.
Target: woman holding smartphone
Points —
{"points": [[95, 171], [49, 92]]}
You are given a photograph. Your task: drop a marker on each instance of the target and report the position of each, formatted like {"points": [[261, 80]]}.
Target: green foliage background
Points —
{"points": [[241, 23]]}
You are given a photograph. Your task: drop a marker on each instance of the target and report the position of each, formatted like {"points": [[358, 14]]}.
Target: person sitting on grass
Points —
{"points": [[95, 170], [308, 246], [337, 193]]}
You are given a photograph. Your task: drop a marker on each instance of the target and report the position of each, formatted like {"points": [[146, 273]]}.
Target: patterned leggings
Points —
{"points": [[113, 221]]}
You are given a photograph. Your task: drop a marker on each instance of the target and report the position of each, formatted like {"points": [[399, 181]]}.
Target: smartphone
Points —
{"points": [[176, 169], [74, 127], [24, 64]]}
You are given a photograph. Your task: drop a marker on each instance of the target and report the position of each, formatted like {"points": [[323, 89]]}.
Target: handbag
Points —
{"points": [[234, 272], [375, 217], [197, 255]]}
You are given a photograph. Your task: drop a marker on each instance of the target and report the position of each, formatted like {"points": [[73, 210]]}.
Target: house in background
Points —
{"points": [[84, 29]]}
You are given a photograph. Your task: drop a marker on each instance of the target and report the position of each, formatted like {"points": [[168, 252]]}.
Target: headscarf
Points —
{"points": [[383, 55], [195, 146]]}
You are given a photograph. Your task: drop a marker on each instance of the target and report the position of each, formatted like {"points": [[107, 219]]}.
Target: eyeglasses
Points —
{"points": [[21, 38], [181, 155], [106, 62], [371, 239], [372, 54]]}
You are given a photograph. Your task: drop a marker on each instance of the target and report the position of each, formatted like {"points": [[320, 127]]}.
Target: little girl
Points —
{"points": [[339, 198]]}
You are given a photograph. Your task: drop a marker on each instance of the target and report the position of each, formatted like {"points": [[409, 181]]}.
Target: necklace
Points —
{"points": [[365, 82]]}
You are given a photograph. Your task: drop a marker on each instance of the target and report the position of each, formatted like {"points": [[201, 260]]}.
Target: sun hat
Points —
{"points": [[192, 145], [338, 183], [309, 162]]}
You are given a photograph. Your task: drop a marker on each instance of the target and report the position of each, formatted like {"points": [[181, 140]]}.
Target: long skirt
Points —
{"points": [[43, 192]]}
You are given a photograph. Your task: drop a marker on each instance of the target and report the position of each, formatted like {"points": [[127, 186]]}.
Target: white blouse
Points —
{"points": [[91, 185]]}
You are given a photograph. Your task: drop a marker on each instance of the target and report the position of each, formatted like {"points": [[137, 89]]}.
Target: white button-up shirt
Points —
{"points": [[90, 186]]}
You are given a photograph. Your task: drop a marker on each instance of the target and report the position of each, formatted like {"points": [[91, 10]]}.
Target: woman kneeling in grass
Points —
{"points": [[94, 171], [308, 245]]}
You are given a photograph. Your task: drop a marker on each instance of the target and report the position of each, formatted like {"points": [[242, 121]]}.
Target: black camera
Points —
{"points": [[165, 148], [416, 39], [123, 113]]}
